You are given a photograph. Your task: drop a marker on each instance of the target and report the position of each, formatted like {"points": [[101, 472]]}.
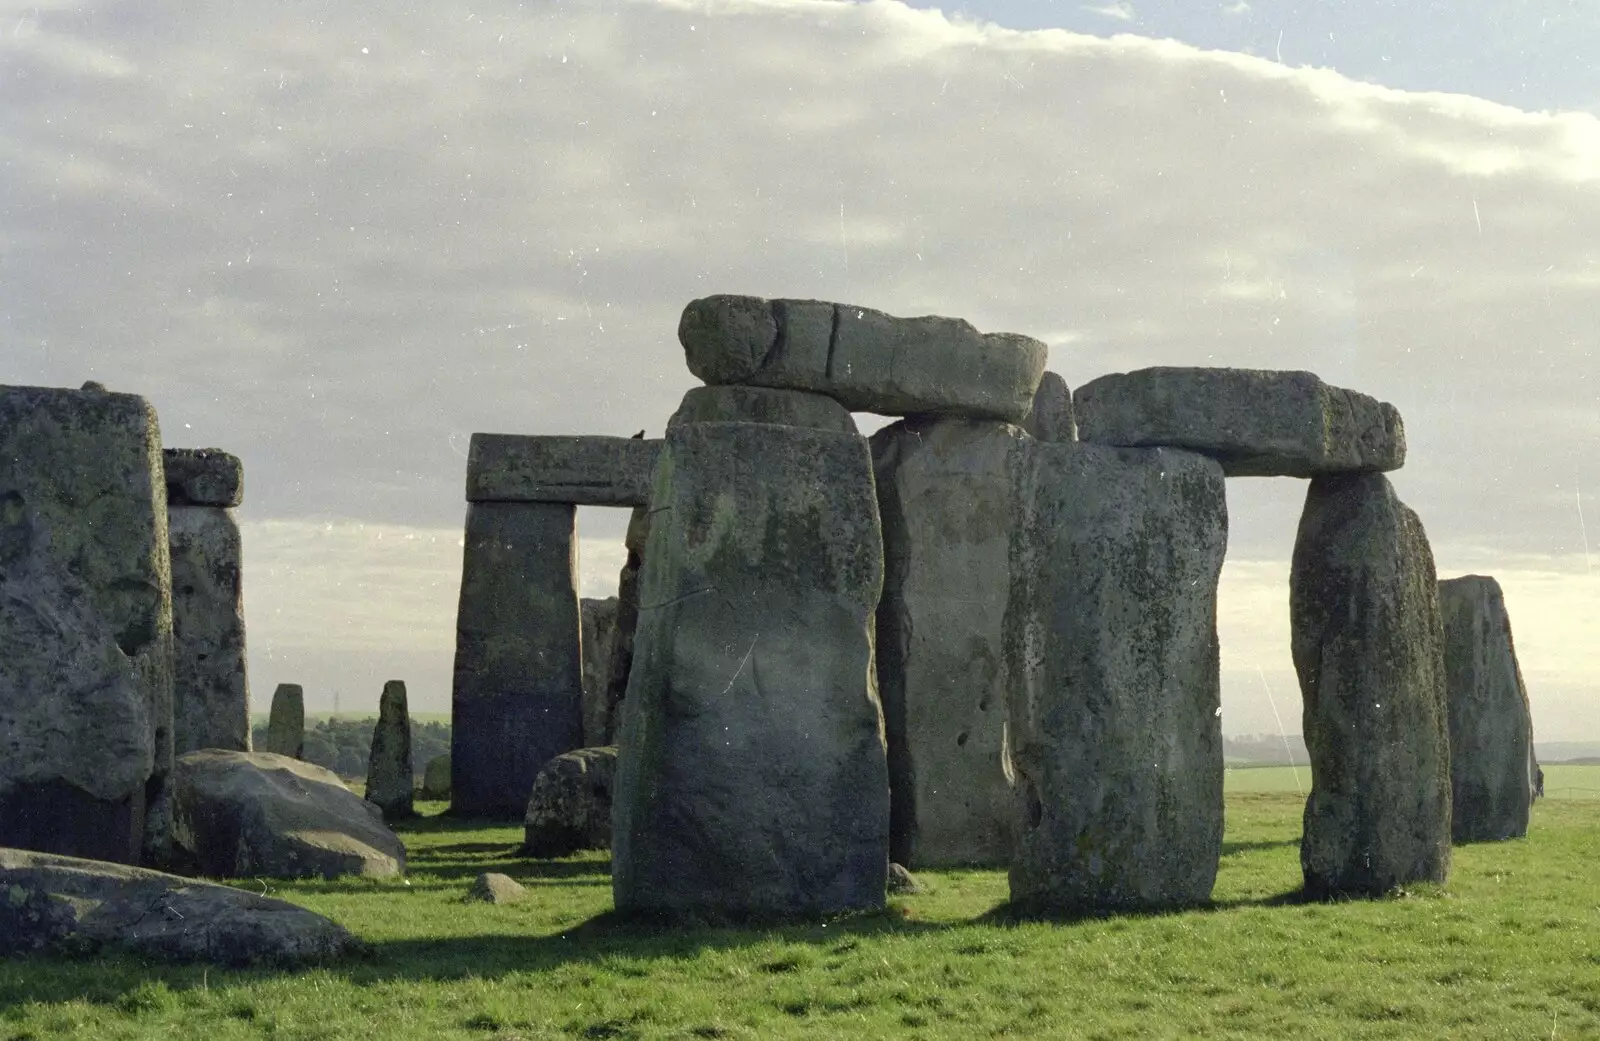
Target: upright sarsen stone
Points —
{"points": [[1114, 686], [389, 779], [946, 494], [1492, 769], [286, 724], [752, 780], [1051, 418], [599, 623], [518, 691], [1367, 643]]}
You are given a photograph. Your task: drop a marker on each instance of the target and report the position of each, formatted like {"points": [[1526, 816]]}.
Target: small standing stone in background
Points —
{"points": [[436, 778], [389, 780], [569, 807], [286, 726]]}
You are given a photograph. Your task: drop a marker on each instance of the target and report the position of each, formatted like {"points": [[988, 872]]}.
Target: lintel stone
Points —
{"points": [[202, 477], [578, 470]]}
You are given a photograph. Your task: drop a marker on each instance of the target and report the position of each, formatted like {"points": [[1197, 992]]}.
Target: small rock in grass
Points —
{"points": [[902, 881], [494, 888]]}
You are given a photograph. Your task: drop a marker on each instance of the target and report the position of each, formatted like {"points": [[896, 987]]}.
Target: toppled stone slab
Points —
{"points": [[491, 887], [739, 404], [569, 807], [1491, 737], [599, 619], [67, 904], [585, 470], [1255, 422], [248, 814], [753, 781], [866, 360], [202, 477], [389, 780], [1051, 418], [286, 724], [1113, 678], [211, 690], [947, 497], [1367, 643]]}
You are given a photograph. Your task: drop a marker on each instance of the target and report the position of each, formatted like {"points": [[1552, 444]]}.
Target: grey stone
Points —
{"points": [[202, 477], [866, 360], [66, 904], [491, 887], [1367, 642], [389, 780], [569, 807], [86, 467], [286, 725], [1051, 418], [738, 404], [599, 618], [436, 778], [902, 882], [1256, 422], [211, 690], [1113, 678], [584, 470], [753, 780], [1491, 737], [948, 502], [518, 689], [605, 710], [248, 814]]}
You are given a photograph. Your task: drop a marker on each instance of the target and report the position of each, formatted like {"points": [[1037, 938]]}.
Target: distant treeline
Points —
{"points": [[343, 745]]}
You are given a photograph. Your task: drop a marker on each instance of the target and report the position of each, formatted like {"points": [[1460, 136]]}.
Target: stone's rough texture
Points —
{"points": [[948, 502], [866, 360], [389, 781], [1367, 643], [243, 814], [1051, 417], [491, 887], [85, 468], [286, 725], [570, 806], [436, 778], [902, 882], [737, 404], [202, 477], [54, 903], [587, 471], [1255, 422], [76, 744], [1491, 736], [599, 642], [211, 693], [518, 692], [609, 711], [1114, 688], [753, 780]]}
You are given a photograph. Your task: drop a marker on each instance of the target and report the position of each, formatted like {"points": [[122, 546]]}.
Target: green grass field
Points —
{"points": [[1510, 948]]}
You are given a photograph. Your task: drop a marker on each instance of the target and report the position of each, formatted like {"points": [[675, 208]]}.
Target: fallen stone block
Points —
{"points": [[569, 807], [585, 470]]}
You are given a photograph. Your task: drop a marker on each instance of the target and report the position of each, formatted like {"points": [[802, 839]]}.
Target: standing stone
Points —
{"points": [[436, 778], [211, 693], [599, 618], [569, 807], [1491, 738], [753, 780], [518, 693], [1114, 683], [608, 713], [1051, 418], [286, 726], [948, 504], [81, 484], [1367, 642], [389, 780]]}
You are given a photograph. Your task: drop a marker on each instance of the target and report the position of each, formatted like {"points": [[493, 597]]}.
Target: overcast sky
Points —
{"points": [[338, 238]]}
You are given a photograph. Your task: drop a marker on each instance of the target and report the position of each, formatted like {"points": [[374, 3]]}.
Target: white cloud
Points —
{"points": [[1122, 11]]}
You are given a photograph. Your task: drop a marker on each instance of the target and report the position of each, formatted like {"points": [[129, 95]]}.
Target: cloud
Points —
{"points": [[1122, 11]]}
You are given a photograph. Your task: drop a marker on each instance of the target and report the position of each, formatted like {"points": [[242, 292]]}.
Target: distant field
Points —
{"points": [[1560, 781]]}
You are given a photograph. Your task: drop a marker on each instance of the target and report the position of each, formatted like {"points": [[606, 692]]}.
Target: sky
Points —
{"points": [[337, 239]]}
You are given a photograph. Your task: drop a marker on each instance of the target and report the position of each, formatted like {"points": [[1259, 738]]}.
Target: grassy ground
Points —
{"points": [[1560, 781], [1509, 949]]}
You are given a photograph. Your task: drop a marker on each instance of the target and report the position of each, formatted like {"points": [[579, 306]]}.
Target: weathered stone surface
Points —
{"points": [[599, 619], [1255, 422], [866, 360], [948, 502], [739, 404], [202, 477], [518, 692], [286, 725], [584, 470], [1367, 643], [608, 710], [55, 903], [902, 882], [244, 814], [491, 887], [211, 692], [569, 807], [436, 778], [753, 780], [389, 781], [85, 466], [1113, 678], [1491, 736], [1051, 418]]}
